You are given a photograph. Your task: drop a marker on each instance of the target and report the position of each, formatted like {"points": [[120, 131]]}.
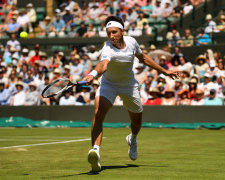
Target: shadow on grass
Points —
{"points": [[94, 173]]}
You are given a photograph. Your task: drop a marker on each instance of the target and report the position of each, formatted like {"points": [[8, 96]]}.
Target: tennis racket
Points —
{"points": [[56, 87]]}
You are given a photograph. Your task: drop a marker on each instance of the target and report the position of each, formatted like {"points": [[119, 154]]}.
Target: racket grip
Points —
{"points": [[82, 82]]}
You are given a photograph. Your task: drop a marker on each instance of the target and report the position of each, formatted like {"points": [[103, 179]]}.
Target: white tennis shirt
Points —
{"points": [[119, 70]]}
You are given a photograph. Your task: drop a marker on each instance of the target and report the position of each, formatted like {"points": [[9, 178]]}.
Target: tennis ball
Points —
{"points": [[23, 35]]}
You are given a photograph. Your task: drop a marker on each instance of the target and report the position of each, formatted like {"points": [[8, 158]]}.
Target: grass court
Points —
{"points": [[61, 153]]}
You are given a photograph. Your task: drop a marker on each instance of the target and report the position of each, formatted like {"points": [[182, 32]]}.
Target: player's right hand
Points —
{"points": [[89, 79]]}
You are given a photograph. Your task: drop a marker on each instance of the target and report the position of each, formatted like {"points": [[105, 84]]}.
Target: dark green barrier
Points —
{"points": [[159, 114]]}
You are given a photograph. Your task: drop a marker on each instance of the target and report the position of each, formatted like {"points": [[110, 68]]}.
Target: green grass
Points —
{"points": [[163, 154]]}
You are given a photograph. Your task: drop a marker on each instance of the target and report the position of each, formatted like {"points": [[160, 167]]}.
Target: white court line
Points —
{"points": [[42, 144]]}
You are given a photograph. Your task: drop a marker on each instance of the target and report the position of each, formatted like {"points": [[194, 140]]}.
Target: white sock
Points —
{"points": [[97, 148]]}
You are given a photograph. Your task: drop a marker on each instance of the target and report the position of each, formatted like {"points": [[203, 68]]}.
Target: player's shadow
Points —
{"points": [[93, 173]]}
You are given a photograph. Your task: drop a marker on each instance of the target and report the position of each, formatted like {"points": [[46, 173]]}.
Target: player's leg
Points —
{"points": [[136, 120]]}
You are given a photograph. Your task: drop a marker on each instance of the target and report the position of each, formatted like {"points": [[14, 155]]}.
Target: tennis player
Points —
{"points": [[117, 78]]}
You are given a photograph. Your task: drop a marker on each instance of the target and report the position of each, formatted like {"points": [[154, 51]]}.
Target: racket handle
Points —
{"points": [[82, 82]]}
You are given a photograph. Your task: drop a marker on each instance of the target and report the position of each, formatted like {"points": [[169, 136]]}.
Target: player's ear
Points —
{"points": [[123, 32]]}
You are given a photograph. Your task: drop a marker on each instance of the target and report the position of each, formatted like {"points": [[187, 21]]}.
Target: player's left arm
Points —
{"points": [[144, 58]]}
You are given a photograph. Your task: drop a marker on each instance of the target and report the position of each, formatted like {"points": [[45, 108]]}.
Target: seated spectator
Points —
{"points": [[174, 40], [77, 68], [147, 9], [94, 12], [67, 74], [201, 66], [199, 101], [3, 28], [93, 55], [134, 31], [146, 29], [221, 25], [85, 11], [212, 70], [212, 100], [67, 17], [169, 97], [183, 98], [141, 19], [24, 58], [77, 13], [19, 98], [87, 65], [175, 64], [170, 34], [23, 21], [71, 4], [197, 2], [13, 26], [45, 26], [3, 77], [72, 32], [5, 96], [67, 99], [178, 10], [131, 16], [192, 87], [139, 76], [81, 30], [102, 30], [36, 56], [104, 12], [45, 63], [95, 86], [91, 31], [185, 65], [31, 13], [167, 9], [188, 7], [202, 38], [188, 39], [29, 77], [58, 27], [32, 96], [162, 62], [154, 97], [152, 72], [210, 24], [12, 46], [157, 9], [126, 22], [162, 84], [83, 97]]}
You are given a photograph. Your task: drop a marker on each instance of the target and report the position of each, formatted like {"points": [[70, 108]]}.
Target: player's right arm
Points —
{"points": [[100, 68]]}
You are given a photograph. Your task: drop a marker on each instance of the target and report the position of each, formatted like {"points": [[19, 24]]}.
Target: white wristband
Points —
{"points": [[93, 73]]}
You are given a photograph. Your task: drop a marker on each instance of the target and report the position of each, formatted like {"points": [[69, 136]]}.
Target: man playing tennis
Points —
{"points": [[117, 78]]}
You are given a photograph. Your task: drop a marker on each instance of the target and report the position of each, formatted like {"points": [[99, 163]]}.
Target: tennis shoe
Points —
{"points": [[94, 160], [132, 151]]}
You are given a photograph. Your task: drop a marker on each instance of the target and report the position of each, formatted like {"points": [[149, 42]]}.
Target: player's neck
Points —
{"points": [[121, 44]]}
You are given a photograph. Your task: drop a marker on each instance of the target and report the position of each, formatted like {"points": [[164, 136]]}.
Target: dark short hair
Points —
{"points": [[114, 18]]}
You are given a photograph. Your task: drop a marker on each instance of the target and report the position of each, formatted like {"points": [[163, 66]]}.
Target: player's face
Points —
{"points": [[115, 35]]}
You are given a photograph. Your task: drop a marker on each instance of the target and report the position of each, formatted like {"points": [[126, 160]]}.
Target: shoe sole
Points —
{"points": [[93, 160]]}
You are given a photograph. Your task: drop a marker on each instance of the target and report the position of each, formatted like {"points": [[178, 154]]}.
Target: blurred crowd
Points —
{"points": [[85, 19], [25, 73]]}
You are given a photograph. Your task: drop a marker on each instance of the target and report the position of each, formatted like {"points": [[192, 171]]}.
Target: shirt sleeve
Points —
{"points": [[105, 55], [138, 50]]}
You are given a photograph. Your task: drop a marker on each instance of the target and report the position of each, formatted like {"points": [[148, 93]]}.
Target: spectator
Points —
{"points": [[93, 55], [102, 30], [76, 12], [45, 63], [91, 31], [188, 39], [131, 16], [24, 58], [188, 7], [162, 84], [192, 84], [175, 64], [3, 78], [83, 97], [169, 97], [170, 34], [221, 25], [82, 30], [178, 10], [210, 24], [174, 40], [183, 98], [202, 38], [154, 97], [67, 99], [31, 13], [13, 26], [104, 12], [199, 101], [167, 9], [77, 68], [141, 19], [3, 28], [32, 96], [58, 27], [147, 9], [29, 77], [146, 29], [87, 65], [23, 20], [67, 74], [207, 85], [126, 23], [45, 26], [197, 2], [19, 98], [85, 11], [178, 87], [134, 31], [72, 32], [212, 70], [36, 56], [71, 4], [139, 76], [67, 17], [162, 62], [157, 9], [212, 100], [94, 12], [5, 97], [95, 86], [185, 65], [12, 46], [201, 66]]}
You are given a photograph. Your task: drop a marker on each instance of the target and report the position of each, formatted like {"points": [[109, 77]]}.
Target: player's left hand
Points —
{"points": [[173, 74]]}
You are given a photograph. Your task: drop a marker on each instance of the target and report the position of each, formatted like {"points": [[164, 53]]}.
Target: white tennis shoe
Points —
{"points": [[132, 151], [94, 160]]}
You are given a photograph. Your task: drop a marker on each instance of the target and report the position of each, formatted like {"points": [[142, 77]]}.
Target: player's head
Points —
{"points": [[114, 28]]}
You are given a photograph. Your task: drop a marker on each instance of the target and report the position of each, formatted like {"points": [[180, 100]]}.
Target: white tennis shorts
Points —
{"points": [[129, 95]]}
